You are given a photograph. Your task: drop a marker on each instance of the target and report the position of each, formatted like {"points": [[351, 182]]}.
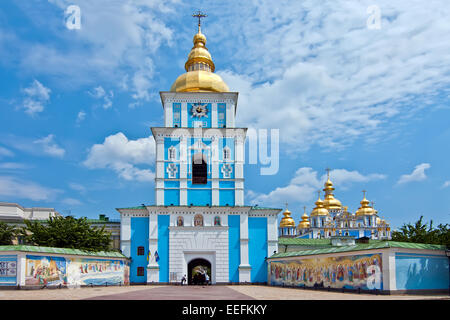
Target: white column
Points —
{"points": [[21, 268], [214, 115], [183, 170], [389, 278], [244, 267], [272, 235], [159, 177], [184, 115], [168, 114], [125, 235], [230, 115], [152, 267], [239, 171]]}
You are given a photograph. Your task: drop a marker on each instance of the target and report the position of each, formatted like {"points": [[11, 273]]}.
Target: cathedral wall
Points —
{"points": [[257, 247], [139, 238]]}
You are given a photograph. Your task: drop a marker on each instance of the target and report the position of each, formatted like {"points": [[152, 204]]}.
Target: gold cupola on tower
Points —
{"points": [[199, 76], [287, 220], [304, 223], [330, 202], [319, 210], [365, 209]]}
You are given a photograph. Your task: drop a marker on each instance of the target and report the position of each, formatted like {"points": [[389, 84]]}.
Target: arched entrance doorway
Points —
{"points": [[197, 271]]}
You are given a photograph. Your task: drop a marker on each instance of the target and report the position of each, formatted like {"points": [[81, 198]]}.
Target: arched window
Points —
{"points": [[172, 153], [217, 221], [180, 221], [226, 153], [199, 169], [198, 220]]}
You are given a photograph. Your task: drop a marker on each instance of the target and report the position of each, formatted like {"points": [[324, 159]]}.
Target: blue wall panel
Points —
{"points": [[417, 271], [199, 197], [234, 255], [226, 197], [139, 238], [163, 247], [172, 197], [257, 247]]}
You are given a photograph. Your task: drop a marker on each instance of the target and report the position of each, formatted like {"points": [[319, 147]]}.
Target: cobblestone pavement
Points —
{"points": [[244, 292]]}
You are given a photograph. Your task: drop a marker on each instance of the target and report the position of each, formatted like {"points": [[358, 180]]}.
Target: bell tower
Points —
{"points": [[199, 151]]}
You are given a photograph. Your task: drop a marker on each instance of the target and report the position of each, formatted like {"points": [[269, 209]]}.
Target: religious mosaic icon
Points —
{"points": [[199, 110]]}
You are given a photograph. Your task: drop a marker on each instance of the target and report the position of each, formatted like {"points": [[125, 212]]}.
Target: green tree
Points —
{"points": [[423, 233], [67, 232], [7, 233]]}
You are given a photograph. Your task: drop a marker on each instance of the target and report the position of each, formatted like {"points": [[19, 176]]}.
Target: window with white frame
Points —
{"points": [[226, 153], [172, 153]]}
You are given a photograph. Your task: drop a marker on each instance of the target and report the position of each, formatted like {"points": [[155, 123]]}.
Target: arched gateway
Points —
{"points": [[197, 271]]}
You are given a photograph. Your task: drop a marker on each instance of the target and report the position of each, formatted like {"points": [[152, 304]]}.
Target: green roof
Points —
{"points": [[304, 242], [373, 244], [108, 254]]}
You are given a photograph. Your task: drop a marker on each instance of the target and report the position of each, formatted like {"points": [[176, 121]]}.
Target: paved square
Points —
{"points": [[238, 292]]}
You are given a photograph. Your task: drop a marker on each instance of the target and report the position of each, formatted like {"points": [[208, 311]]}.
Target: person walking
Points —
{"points": [[206, 278], [183, 280]]}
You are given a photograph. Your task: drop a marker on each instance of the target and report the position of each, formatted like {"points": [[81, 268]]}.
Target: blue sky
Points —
{"points": [[371, 104]]}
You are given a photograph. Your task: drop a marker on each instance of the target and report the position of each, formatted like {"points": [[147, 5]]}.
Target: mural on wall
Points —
{"points": [[352, 272], [8, 270], [44, 270], [95, 272], [52, 271]]}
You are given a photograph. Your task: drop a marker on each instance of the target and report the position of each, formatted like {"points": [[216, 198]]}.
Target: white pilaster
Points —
{"points": [[168, 115], [214, 115], [244, 267], [152, 267], [184, 115], [389, 276], [125, 235], [272, 235]]}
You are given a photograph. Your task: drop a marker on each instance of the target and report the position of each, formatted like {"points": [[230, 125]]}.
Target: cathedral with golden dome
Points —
{"points": [[330, 218]]}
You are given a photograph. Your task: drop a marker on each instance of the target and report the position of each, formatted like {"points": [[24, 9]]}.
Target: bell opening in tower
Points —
{"points": [[199, 169]]}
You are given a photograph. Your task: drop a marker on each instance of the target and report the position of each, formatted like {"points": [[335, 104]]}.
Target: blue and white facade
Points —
{"points": [[200, 211]]}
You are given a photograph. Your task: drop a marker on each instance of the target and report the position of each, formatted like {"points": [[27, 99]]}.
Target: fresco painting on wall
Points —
{"points": [[95, 272], [53, 271], [43, 270], [352, 272]]}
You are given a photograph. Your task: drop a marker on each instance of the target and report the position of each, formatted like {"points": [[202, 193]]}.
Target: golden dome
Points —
{"points": [[287, 220], [319, 210], [199, 76], [304, 223], [365, 209], [330, 202]]}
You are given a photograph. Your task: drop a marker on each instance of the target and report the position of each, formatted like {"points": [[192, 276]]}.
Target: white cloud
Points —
{"points": [[321, 76], [77, 187], [418, 174], [5, 152], [446, 184], [11, 187], [305, 183], [36, 96], [100, 93], [50, 147], [122, 155], [118, 41], [81, 116], [13, 166], [71, 202]]}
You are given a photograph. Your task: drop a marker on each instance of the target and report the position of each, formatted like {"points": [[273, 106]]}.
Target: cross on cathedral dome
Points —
{"points": [[199, 76]]}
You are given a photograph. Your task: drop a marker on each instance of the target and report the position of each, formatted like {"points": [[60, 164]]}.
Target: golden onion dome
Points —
{"points": [[319, 210], [287, 220], [304, 223], [365, 209], [199, 76], [330, 202]]}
